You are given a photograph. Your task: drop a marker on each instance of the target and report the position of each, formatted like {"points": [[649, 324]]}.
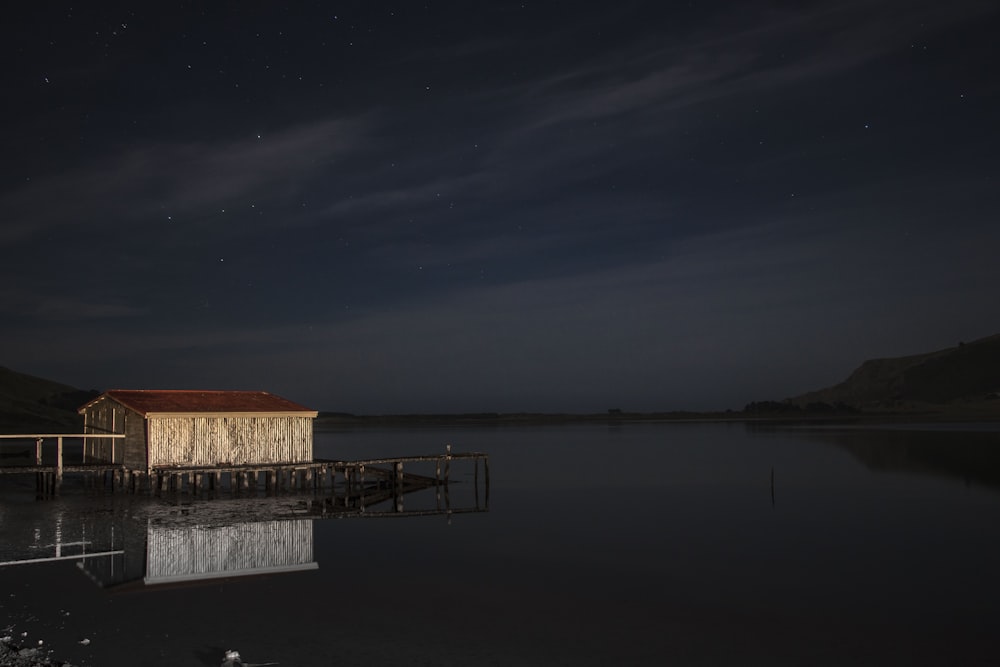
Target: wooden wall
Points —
{"points": [[212, 440], [198, 552], [134, 447], [109, 416]]}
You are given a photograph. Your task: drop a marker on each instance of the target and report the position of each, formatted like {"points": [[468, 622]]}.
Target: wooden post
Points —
{"points": [[38, 451], [447, 463], [361, 472], [397, 486], [486, 472], [59, 460], [475, 480]]}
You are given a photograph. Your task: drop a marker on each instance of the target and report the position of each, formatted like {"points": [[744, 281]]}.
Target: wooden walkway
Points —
{"points": [[366, 481]]}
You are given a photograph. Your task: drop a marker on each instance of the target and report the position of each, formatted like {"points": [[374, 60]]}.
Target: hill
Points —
{"points": [[29, 404], [965, 376]]}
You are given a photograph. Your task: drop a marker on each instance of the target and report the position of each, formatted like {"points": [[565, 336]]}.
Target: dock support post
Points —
{"points": [[59, 466], [437, 481], [59, 460], [38, 451], [361, 498], [397, 486], [447, 463]]}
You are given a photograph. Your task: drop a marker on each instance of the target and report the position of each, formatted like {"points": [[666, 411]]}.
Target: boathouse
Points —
{"points": [[167, 428]]}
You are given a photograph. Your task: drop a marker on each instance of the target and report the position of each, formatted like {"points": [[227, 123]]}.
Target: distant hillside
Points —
{"points": [[29, 403], [968, 374]]}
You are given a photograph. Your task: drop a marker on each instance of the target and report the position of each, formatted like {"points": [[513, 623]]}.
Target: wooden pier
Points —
{"points": [[365, 482], [49, 476]]}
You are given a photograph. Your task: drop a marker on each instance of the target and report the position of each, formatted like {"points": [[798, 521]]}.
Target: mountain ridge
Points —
{"points": [[32, 403], [964, 374], [964, 379]]}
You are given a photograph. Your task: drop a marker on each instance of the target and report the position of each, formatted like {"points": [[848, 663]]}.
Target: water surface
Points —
{"points": [[686, 544]]}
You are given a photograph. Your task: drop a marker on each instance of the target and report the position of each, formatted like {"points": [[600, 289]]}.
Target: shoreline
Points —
{"points": [[13, 655], [936, 414]]}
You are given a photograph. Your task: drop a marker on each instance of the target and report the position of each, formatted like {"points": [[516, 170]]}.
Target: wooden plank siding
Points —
{"points": [[133, 455], [173, 428], [104, 417], [228, 440]]}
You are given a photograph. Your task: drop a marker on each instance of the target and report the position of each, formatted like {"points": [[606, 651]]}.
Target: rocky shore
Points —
{"points": [[12, 655]]}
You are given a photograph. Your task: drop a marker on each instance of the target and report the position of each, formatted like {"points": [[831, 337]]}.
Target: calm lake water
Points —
{"points": [[638, 544]]}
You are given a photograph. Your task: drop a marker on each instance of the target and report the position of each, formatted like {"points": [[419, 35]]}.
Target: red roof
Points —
{"points": [[146, 401]]}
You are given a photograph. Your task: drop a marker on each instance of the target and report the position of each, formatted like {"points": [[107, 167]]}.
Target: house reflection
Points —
{"points": [[170, 554], [124, 542]]}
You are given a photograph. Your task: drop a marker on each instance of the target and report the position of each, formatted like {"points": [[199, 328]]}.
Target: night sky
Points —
{"points": [[380, 207]]}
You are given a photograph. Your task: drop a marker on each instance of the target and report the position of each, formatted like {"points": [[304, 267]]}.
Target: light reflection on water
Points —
{"points": [[633, 544]]}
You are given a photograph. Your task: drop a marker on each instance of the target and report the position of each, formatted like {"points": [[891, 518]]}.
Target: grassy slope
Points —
{"points": [[29, 403], [968, 374]]}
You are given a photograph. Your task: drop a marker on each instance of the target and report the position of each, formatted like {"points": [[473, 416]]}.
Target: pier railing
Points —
{"points": [[60, 438], [365, 482]]}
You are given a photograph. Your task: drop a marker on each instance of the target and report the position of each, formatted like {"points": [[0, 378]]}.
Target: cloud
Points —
{"points": [[182, 180], [750, 52], [37, 306], [720, 319]]}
